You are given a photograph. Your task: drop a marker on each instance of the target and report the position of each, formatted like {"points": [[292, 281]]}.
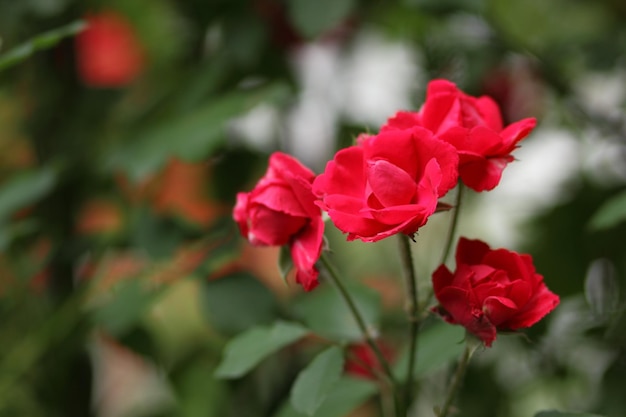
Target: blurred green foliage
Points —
{"points": [[117, 241]]}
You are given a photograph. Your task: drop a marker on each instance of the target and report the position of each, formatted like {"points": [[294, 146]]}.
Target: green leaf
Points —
{"points": [[201, 394], [25, 188], [312, 18], [326, 313], [237, 302], [42, 41], [347, 394], [129, 303], [578, 22], [316, 380], [554, 413], [14, 230], [285, 263], [192, 136], [157, 235], [612, 212], [436, 347], [245, 351]]}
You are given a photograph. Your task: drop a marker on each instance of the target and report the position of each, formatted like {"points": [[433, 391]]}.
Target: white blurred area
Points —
{"points": [[545, 171], [125, 383], [364, 84], [374, 77]]}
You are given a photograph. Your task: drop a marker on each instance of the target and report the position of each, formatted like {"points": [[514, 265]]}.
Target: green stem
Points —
{"points": [[453, 224], [334, 277], [451, 233], [446, 252], [459, 374], [412, 310]]}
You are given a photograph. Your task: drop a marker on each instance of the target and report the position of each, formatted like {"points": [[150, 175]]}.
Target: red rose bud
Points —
{"points": [[362, 361], [491, 290], [108, 53], [387, 184], [281, 210], [473, 125]]}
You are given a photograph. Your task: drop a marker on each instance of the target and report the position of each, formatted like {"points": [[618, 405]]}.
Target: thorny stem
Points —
{"points": [[459, 374], [411, 309], [334, 277]]}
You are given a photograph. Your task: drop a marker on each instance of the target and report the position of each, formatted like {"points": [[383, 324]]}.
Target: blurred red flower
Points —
{"points": [[108, 52], [362, 361]]}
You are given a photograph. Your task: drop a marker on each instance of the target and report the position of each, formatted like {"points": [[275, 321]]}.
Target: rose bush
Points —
{"points": [[387, 183], [491, 290], [473, 125], [280, 210]]}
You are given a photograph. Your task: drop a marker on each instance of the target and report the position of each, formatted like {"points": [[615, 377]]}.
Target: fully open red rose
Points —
{"points": [[281, 211], [491, 290], [108, 53], [386, 184], [473, 125]]}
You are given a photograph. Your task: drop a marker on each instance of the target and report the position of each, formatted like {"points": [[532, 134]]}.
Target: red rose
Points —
{"points": [[362, 361], [108, 53], [387, 184], [473, 126], [491, 290], [281, 211]]}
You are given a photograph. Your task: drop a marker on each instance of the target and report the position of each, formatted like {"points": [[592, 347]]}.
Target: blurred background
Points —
{"points": [[122, 274]]}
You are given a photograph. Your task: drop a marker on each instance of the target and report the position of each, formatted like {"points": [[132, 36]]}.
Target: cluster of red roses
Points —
{"points": [[390, 183]]}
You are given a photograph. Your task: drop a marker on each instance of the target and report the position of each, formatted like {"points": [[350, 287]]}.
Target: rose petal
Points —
{"points": [[511, 262], [483, 174], [485, 141], [305, 252], [307, 278], [515, 132], [281, 164], [429, 187], [543, 302], [303, 192], [470, 252], [499, 309], [455, 301], [441, 112], [400, 214], [391, 185], [401, 120], [306, 246], [343, 175], [442, 278], [240, 213], [490, 112], [272, 228], [520, 292], [397, 147], [281, 198]]}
